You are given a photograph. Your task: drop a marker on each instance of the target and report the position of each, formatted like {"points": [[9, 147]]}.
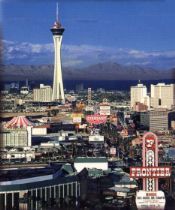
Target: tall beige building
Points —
{"points": [[162, 95], [138, 94], [43, 94]]}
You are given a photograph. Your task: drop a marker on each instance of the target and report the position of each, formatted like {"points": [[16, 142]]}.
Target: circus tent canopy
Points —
{"points": [[18, 122]]}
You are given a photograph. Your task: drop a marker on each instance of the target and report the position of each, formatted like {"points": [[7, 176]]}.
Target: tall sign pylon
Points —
{"points": [[150, 198]]}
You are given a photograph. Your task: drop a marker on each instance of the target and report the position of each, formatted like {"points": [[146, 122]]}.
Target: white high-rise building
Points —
{"points": [[42, 94], [163, 96], [58, 91], [138, 94]]}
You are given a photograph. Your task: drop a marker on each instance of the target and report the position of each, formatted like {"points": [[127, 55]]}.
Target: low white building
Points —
{"points": [[39, 130], [91, 162]]}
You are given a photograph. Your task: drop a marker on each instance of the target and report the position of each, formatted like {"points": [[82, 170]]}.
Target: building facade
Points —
{"points": [[163, 96], [155, 120], [44, 186], [15, 137], [43, 94], [138, 94]]}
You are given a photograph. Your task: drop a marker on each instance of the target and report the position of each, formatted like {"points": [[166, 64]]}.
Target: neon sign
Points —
{"points": [[150, 197], [150, 172]]}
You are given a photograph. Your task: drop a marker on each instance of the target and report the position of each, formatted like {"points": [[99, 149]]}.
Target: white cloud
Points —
{"points": [[71, 63], [83, 55]]}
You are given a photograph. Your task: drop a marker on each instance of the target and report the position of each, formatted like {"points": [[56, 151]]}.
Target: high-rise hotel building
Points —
{"points": [[42, 94], [138, 94], [163, 96]]}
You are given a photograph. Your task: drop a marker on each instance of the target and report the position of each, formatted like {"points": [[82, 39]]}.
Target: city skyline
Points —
{"points": [[87, 112], [125, 32]]}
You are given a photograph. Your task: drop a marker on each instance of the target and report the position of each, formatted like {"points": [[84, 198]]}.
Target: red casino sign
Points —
{"points": [[96, 119]]}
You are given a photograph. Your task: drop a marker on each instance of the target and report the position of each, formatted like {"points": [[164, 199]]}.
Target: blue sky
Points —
{"points": [[130, 32]]}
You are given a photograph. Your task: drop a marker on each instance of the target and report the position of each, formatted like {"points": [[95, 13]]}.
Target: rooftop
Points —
{"points": [[25, 173], [90, 159]]}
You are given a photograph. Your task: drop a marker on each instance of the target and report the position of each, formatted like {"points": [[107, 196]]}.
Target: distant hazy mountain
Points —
{"points": [[101, 71]]}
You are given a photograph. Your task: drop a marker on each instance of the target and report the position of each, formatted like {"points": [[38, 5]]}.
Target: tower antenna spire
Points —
{"points": [[57, 11]]}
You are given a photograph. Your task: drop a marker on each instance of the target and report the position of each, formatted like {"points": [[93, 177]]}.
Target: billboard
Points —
{"points": [[96, 119], [150, 200], [105, 110]]}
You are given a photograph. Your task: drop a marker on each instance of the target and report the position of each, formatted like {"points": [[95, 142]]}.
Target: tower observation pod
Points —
{"points": [[58, 90]]}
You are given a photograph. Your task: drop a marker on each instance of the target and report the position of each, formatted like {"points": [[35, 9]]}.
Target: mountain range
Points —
{"points": [[100, 71]]}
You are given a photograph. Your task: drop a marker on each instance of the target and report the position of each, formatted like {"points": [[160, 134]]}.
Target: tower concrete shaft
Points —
{"points": [[58, 90]]}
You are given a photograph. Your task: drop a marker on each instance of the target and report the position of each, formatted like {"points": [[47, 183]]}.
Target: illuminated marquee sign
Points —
{"points": [[96, 119], [150, 197], [150, 200], [150, 172]]}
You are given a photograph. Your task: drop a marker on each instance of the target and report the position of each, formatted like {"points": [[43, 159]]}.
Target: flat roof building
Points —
{"points": [[31, 187]]}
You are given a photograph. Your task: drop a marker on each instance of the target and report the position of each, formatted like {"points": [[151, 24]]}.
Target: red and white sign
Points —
{"points": [[150, 172], [150, 198], [96, 119]]}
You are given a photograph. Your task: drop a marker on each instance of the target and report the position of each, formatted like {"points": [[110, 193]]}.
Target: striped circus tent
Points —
{"points": [[18, 122]]}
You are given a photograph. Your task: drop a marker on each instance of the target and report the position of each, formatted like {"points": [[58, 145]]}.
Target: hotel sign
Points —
{"points": [[150, 198], [150, 172]]}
